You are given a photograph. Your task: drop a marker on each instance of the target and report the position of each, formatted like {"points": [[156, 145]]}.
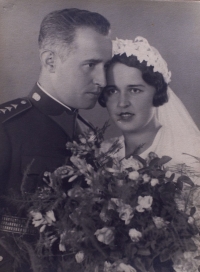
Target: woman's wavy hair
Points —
{"points": [[152, 78]]}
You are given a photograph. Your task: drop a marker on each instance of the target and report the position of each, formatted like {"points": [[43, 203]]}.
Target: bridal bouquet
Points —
{"points": [[99, 213]]}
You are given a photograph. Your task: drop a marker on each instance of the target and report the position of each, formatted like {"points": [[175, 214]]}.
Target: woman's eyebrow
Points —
{"points": [[136, 85]]}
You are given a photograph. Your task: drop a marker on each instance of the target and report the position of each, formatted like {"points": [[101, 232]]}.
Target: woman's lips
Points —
{"points": [[125, 116]]}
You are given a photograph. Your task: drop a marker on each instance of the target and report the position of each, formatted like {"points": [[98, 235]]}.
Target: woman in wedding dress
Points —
{"points": [[142, 105]]}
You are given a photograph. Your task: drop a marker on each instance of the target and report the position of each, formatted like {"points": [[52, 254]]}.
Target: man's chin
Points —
{"points": [[88, 107]]}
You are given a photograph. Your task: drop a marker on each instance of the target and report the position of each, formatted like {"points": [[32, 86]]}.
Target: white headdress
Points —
{"points": [[179, 132], [143, 51]]}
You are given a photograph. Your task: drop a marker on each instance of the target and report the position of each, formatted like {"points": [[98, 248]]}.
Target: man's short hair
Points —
{"points": [[58, 28]]}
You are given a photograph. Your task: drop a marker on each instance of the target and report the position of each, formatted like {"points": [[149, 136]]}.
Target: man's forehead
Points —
{"points": [[87, 36]]}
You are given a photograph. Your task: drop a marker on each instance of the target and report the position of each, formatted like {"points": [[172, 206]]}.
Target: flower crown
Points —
{"points": [[143, 51]]}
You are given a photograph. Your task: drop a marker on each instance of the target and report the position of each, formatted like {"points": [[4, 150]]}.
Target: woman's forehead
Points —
{"points": [[120, 73]]}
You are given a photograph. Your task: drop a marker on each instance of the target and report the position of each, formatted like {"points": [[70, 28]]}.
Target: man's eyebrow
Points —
{"points": [[93, 61]]}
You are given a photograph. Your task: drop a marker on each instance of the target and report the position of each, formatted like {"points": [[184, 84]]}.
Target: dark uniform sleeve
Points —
{"points": [[5, 156]]}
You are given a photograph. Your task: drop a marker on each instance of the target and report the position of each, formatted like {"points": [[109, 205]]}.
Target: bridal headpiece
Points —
{"points": [[143, 51]]}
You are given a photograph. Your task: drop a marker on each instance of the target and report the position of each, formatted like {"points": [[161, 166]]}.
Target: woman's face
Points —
{"points": [[129, 99]]}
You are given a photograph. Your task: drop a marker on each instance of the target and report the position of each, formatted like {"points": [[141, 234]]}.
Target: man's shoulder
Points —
{"points": [[13, 108]]}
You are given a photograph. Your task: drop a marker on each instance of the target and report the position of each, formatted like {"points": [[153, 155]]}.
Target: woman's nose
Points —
{"points": [[123, 101]]}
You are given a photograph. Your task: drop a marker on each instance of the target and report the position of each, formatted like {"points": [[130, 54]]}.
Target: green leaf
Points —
{"points": [[189, 245], [186, 179], [179, 184], [139, 265], [165, 255], [144, 252], [171, 177], [192, 211], [154, 162], [163, 160], [157, 173]]}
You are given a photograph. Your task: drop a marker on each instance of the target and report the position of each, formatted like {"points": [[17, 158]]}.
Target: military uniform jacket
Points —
{"points": [[33, 136]]}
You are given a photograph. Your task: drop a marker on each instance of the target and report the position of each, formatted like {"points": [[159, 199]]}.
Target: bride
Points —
{"points": [[142, 105]]}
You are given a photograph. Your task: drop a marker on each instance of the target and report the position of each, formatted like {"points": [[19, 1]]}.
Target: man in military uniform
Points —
{"points": [[74, 48]]}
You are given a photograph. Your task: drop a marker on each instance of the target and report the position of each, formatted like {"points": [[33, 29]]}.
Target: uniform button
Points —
{"points": [[23, 102], [1, 258], [36, 97]]}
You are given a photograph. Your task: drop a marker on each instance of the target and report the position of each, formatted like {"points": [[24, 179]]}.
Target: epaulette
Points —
{"points": [[12, 108]]}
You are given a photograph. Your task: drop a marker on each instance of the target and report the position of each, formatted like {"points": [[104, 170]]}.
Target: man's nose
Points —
{"points": [[100, 77], [123, 100]]}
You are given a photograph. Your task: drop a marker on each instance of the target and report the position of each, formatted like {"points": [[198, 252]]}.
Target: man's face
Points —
{"points": [[77, 79]]}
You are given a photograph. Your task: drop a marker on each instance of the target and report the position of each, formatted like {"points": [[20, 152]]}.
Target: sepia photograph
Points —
{"points": [[99, 136]]}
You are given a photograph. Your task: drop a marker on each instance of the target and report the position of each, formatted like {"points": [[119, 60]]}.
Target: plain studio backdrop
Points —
{"points": [[172, 27]]}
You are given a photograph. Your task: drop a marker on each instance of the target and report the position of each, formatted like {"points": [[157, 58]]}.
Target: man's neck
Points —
{"points": [[47, 93]]}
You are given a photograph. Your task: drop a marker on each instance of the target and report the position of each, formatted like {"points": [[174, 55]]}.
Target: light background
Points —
{"points": [[172, 27]]}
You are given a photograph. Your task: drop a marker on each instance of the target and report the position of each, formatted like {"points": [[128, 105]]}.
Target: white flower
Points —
{"points": [[131, 163], [146, 178], [62, 247], [79, 256], [75, 192], [154, 181], [125, 213], [92, 137], [105, 235], [168, 174], [82, 140], [50, 217], [125, 268], [134, 175], [144, 203], [135, 235], [36, 215], [42, 228], [159, 222], [190, 220], [37, 219], [125, 210]]}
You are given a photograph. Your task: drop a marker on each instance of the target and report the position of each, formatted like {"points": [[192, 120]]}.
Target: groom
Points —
{"points": [[74, 47]]}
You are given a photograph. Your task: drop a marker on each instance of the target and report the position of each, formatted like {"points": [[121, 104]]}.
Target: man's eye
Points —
{"points": [[90, 65]]}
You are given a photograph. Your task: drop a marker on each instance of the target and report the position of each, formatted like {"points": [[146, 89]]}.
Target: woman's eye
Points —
{"points": [[111, 91], [135, 90]]}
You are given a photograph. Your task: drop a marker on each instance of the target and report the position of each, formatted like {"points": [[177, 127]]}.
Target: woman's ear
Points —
{"points": [[48, 60]]}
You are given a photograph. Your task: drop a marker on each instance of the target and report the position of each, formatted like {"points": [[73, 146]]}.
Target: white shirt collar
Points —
{"points": [[53, 97]]}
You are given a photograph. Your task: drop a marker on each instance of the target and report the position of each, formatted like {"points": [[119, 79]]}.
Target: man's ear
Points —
{"points": [[48, 60]]}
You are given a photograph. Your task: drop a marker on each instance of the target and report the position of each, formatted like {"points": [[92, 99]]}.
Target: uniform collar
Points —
{"points": [[47, 103]]}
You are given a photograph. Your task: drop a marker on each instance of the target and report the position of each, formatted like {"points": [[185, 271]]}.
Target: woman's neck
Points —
{"points": [[142, 139]]}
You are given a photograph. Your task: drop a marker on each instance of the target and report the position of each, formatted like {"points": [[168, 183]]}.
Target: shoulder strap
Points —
{"points": [[12, 108]]}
